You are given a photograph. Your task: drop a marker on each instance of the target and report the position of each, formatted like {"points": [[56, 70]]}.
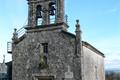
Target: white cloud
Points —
{"points": [[112, 64], [113, 10]]}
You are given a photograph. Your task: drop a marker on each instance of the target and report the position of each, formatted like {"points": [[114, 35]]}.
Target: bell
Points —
{"points": [[39, 11], [39, 15], [52, 10]]}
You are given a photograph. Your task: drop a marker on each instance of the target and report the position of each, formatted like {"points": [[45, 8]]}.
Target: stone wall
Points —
{"points": [[61, 54], [3, 71], [93, 65], [61, 50]]}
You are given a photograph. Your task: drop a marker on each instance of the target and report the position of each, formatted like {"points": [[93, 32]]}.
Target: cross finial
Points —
{"points": [[77, 21], [15, 34], [66, 18], [77, 25], [15, 30]]}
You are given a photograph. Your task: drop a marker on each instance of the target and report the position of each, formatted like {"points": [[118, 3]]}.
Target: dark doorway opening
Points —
{"points": [[45, 78]]}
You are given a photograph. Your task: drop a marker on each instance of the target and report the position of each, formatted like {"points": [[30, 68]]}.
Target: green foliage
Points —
{"points": [[43, 62]]}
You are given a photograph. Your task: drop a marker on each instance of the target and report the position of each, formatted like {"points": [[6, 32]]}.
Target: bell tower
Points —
{"points": [[45, 12]]}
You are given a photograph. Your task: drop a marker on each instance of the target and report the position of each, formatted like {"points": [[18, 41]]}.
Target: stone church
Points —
{"points": [[48, 51], [3, 70]]}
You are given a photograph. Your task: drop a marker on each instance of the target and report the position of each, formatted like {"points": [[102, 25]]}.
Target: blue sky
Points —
{"points": [[99, 20]]}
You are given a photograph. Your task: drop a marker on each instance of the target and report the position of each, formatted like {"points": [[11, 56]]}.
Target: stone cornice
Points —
{"points": [[92, 48]]}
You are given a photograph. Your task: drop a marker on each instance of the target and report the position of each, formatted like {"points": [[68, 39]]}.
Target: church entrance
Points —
{"points": [[44, 78]]}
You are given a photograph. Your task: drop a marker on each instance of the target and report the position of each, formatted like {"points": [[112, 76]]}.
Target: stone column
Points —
{"points": [[46, 19], [31, 14], [60, 11], [78, 58], [78, 39]]}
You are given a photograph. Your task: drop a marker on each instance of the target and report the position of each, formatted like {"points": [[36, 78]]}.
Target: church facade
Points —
{"points": [[47, 51]]}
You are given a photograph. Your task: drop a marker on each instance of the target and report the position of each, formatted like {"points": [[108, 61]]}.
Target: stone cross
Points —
{"points": [[69, 68], [68, 74]]}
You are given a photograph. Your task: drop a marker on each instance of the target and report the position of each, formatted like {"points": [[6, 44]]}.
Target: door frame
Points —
{"points": [[43, 78]]}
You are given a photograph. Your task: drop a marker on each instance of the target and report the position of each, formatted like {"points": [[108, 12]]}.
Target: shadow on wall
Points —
{"points": [[9, 70]]}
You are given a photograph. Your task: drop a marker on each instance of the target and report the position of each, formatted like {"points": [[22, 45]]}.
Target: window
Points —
{"points": [[45, 47]]}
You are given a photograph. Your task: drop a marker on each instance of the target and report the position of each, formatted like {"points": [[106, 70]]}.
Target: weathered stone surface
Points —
{"points": [[45, 20], [61, 53], [64, 49], [3, 70], [61, 50], [93, 65]]}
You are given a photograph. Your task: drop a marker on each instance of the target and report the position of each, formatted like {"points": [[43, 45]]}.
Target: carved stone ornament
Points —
{"points": [[43, 62], [43, 59]]}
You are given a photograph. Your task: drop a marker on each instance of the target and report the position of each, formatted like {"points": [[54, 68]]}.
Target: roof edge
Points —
{"points": [[71, 34], [86, 44]]}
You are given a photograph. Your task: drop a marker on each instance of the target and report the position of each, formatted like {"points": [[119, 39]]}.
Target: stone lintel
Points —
{"points": [[58, 26], [44, 77]]}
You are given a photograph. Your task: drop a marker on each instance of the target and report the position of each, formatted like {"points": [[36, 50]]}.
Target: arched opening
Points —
{"points": [[52, 11], [39, 15]]}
